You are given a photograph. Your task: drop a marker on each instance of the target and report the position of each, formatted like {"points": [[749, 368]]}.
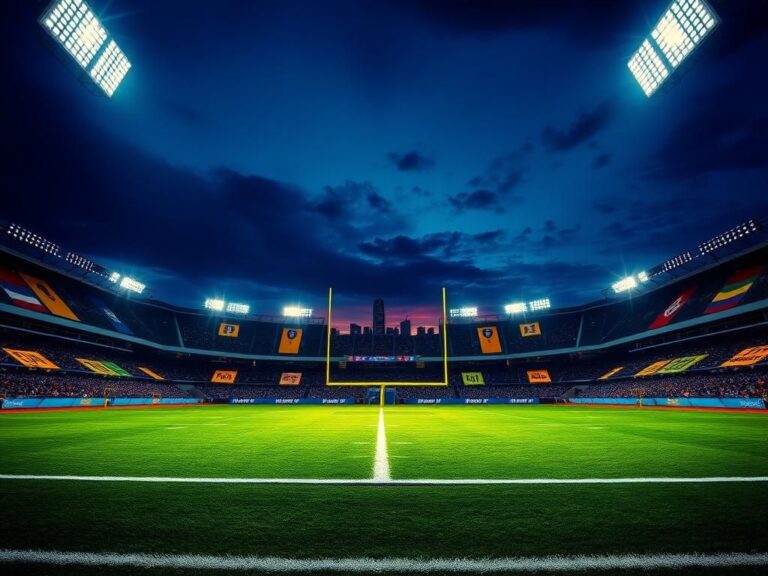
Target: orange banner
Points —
{"points": [[530, 329], [747, 357], [290, 379], [290, 341], [611, 373], [49, 298], [229, 330], [151, 373], [224, 376], [539, 376], [31, 359], [489, 339]]}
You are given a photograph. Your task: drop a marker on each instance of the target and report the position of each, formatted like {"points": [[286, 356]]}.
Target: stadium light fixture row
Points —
{"points": [[214, 304], [33, 239], [516, 308], [237, 308], [465, 312], [297, 312], [682, 27], [731, 235], [74, 26], [540, 304], [679, 260]]}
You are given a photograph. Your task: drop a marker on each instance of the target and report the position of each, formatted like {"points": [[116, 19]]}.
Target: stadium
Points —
{"points": [[319, 413]]}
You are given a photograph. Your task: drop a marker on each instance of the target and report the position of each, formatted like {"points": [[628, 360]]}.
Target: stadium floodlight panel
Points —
{"points": [[624, 285], [76, 28], [682, 27], [237, 308], [516, 308], [731, 235], [465, 312], [643, 276], [110, 68], [73, 25], [540, 304], [133, 285], [297, 312], [114, 277], [214, 304], [648, 68]]}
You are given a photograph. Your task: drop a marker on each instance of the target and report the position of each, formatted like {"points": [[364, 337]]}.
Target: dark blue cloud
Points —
{"points": [[585, 127], [412, 161]]}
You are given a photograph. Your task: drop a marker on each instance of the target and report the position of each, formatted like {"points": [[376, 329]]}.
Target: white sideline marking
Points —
{"points": [[381, 463], [389, 481], [380, 565]]}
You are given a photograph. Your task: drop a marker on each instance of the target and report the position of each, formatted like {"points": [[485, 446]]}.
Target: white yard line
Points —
{"points": [[381, 463], [383, 565], [386, 479]]}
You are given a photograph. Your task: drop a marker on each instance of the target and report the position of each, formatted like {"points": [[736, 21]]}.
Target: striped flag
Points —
{"points": [[19, 293], [736, 287]]}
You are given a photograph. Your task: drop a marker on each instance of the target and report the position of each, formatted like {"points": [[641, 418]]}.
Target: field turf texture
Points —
{"points": [[379, 521]]}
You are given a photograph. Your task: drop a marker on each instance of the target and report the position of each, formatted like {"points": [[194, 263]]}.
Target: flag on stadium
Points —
{"points": [[489, 340], [19, 293], [611, 373], [290, 341], [118, 324], [120, 371], [538, 376], [670, 311], [530, 329], [747, 357], [472, 378], [229, 330], [151, 373], [49, 298], [653, 368], [224, 376], [96, 367], [736, 287], [31, 359], [681, 364], [290, 378]]}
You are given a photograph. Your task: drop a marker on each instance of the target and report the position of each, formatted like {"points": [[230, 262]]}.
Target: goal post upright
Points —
{"points": [[444, 329]]}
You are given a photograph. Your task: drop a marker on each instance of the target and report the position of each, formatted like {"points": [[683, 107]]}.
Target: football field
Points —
{"points": [[346, 489]]}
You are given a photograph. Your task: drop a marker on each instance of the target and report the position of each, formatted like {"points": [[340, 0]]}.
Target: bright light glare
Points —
{"points": [[625, 284], [236, 308], [297, 312], [73, 25], [132, 285], [540, 304], [114, 277], [214, 304], [516, 308], [466, 312], [682, 27]]}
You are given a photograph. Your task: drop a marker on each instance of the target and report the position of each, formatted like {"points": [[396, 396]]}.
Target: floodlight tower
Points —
{"points": [[75, 27], [682, 27]]}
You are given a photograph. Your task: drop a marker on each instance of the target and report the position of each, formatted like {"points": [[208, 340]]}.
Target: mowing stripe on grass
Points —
{"points": [[381, 462], [405, 565], [387, 480]]}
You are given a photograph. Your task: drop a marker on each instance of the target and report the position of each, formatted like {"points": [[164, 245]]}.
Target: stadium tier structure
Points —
{"points": [[698, 339]]}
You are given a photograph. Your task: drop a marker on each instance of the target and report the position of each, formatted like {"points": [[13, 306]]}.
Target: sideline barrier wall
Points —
{"points": [[685, 402], [471, 401], [14, 403], [290, 401]]}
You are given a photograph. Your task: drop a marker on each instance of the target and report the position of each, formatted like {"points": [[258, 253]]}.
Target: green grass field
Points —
{"points": [[385, 520]]}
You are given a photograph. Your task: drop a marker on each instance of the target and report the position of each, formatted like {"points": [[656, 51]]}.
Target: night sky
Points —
{"points": [[263, 151]]}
